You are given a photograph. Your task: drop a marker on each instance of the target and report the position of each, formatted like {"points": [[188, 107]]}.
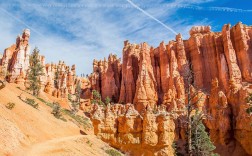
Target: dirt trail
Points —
{"points": [[82, 145]]}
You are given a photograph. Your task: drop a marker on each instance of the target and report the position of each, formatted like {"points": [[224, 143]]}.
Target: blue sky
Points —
{"points": [[77, 31]]}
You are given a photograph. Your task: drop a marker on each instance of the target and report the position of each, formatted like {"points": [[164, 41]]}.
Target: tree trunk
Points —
{"points": [[189, 136], [197, 140], [189, 127]]}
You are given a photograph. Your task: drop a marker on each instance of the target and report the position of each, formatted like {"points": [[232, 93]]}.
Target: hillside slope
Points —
{"points": [[25, 130]]}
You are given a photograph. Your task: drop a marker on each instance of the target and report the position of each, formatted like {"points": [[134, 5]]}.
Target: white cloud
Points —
{"points": [[89, 29]]}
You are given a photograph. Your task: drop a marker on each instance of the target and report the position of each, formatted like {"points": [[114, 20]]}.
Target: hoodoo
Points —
{"points": [[153, 78]]}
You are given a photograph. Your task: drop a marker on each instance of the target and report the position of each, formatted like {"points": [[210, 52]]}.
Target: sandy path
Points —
{"points": [[80, 145]]}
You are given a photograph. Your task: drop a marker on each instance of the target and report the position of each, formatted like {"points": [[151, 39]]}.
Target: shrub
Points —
{"points": [[89, 143], [96, 95], [63, 119], [2, 84], [40, 99], [69, 96], [31, 102], [80, 120], [56, 110], [249, 101], [122, 102], [249, 110], [10, 105], [45, 102], [112, 152], [75, 106]]}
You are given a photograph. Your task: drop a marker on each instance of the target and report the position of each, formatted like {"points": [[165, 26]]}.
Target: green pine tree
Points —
{"points": [[35, 72], [96, 98], [56, 79], [107, 100], [198, 142], [201, 143], [249, 101], [78, 92], [76, 102]]}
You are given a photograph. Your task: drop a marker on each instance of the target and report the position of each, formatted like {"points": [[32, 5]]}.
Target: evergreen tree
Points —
{"points": [[198, 143], [249, 101], [107, 100], [76, 102], [78, 92], [35, 72], [201, 143], [96, 98], [56, 79]]}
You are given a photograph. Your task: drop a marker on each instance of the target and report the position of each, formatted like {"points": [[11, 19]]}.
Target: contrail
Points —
{"points": [[20, 21], [220, 9], [226, 9], [152, 17]]}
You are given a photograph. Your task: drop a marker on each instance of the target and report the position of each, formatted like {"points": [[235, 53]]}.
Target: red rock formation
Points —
{"points": [[164, 67], [130, 70], [242, 128], [95, 77], [219, 111], [202, 54], [181, 54], [6, 58], [146, 83], [1, 56], [123, 127], [241, 37], [16, 58], [234, 70], [221, 66], [110, 78], [154, 54], [86, 94], [15, 62], [200, 30], [106, 77], [61, 79]]}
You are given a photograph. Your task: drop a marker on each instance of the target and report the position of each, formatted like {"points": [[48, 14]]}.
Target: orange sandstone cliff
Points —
{"points": [[153, 79], [59, 79]]}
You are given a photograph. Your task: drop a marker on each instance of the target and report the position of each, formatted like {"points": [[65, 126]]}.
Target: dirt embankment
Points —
{"points": [[27, 131]]}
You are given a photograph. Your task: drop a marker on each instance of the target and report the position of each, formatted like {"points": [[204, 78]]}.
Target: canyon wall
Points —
{"points": [[124, 128], [58, 79], [106, 77], [222, 55], [153, 77]]}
